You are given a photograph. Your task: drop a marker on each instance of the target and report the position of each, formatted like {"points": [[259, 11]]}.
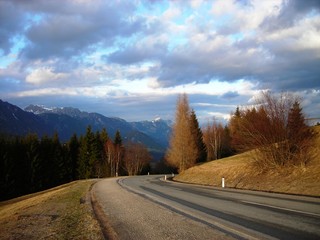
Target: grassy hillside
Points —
{"points": [[239, 172], [52, 214]]}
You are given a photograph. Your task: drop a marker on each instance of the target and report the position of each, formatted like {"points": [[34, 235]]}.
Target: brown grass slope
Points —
{"points": [[56, 213], [240, 173]]}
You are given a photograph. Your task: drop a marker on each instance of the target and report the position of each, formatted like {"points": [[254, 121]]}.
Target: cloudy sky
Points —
{"points": [[132, 58]]}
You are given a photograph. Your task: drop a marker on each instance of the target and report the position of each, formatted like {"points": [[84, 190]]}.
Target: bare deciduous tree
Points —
{"points": [[136, 158], [213, 138], [118, 152], [217, 140], [275, 129], [110, 153]]}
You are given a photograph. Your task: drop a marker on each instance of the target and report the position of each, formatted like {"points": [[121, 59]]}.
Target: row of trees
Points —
{"points": [[186, 143], [217, 140], [274, 128], [29, 164]]}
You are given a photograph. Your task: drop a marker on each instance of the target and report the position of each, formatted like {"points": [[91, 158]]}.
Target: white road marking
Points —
{"points": [[281, 208]]}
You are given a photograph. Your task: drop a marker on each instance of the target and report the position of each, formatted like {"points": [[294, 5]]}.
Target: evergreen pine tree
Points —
{"points": [[85, 155], [97, 154], [299, 135], [104, 136], [20, 154], [73, 152], [226, 143], [59, 163], [296, 123], [48, 169], [234, 128], [32, 152], [117, 138], [197, 134]]}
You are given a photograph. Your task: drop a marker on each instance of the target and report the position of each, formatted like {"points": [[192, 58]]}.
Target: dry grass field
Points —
{"points": [[56, 213], [239, 172]]}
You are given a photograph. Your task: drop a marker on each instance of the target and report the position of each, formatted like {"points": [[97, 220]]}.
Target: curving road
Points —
{"points": [[147, 207]]}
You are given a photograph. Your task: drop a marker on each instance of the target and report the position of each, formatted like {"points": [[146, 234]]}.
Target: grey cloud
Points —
{"points": [[230, 95], [291, 11], [273, 63], [11, 19], [7, 85], [69, 33], [143, 49], [289, 68], [276, 63], [284, 70], [133, 54], [191, 64]]}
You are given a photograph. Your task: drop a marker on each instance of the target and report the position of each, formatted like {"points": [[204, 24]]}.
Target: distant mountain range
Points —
{"points": [[67, 120]]}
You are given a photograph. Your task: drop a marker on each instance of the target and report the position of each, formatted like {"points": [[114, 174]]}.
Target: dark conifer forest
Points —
{"points": [[29, 164]]}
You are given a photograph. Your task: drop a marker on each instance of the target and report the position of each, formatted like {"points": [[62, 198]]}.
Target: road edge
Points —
{"points": [[107, 230]]}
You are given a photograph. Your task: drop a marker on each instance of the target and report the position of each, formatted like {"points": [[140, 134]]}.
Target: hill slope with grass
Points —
{"points": [[62, 212], [239, 172]]}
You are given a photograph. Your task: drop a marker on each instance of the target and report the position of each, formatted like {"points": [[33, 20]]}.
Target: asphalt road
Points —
{"points": [[147, 207]]}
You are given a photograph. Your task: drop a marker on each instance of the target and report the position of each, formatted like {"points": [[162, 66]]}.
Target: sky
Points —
{"points": [[132, 58]]}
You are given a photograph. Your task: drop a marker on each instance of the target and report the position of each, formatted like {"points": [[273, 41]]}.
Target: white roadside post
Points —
{"points": [[222, 182], [165, 177]]}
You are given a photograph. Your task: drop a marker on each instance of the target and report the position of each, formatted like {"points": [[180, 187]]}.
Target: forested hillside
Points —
{"points": [[41, 147], [66, 121], [29, 164], [274, 128]]}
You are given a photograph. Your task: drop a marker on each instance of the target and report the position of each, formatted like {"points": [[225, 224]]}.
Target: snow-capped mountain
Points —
{"points": [[158, 129], [15, 121], [67, 120]]}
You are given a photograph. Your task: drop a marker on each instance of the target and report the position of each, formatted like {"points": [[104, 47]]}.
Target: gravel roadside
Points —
{"points": [[134, 217]]}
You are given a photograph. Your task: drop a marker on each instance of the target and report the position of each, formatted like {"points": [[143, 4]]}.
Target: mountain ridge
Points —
{"points": [[68, 120]]}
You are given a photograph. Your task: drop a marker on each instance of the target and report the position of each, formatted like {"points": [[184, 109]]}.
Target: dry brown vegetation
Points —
{"points": [[276, 128], [182, 152], [240, 172], [136, 158], [63, 212]]}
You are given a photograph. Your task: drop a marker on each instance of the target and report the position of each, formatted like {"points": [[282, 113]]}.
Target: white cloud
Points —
{"points": [[46, 92], [45, 75], [302, 36], [219, 115], [171, 13], [196, 3]]}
